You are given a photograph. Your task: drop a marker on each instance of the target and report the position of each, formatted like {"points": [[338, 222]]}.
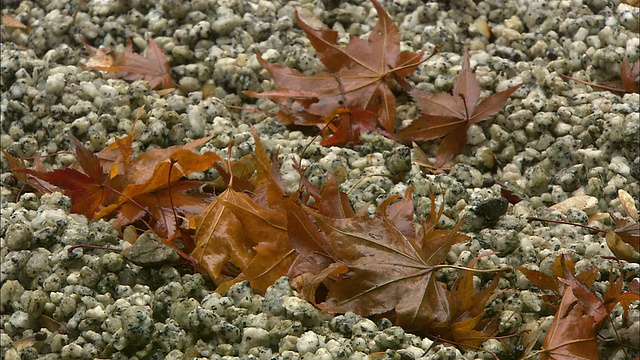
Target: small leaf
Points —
{"points": [[451, 115], [88, 187], [629, 76], [152, 67]]}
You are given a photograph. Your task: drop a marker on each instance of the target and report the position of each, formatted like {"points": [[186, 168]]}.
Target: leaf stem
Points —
{"points": [[533, 218], [364, 178], [464, 268]]}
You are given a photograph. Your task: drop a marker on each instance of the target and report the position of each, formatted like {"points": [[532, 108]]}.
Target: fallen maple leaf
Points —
{"points": [[349, 125], [455, 314], [449, 116], [16, 164], [88, 187], [125, 190], [379, 265], [245, 232], [571, 334], [624, 240], [359, 77], [151, 184], [130, 66], [628, 78], [563, 267]]}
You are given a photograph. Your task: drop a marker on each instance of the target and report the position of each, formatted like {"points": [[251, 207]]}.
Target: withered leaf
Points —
{"points": [[151, 184], [571, 334], [219, 236], [628, 78], [115, 187], [358, 79], [449, 116], [386, 269], [88, 187], [247, 231], [130, 66], [563, 267]]}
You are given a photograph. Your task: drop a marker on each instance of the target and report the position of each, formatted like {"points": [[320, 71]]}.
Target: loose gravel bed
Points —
{"points": [[554, 140]]}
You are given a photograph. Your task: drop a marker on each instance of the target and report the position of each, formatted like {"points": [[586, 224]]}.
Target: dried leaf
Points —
{"points": [[625, 249], [12, 22], [628, 203], [624, 240], [129, 190], [87, 187], [349, 125], [219, 236], [400, 212], [145, 187], [390, 268], [628, 78], [571, 334], [449, 116], [102, 57], [359, 78], [563, 267], [456, 314], [130, 66], [267, 230], [248, 232]]}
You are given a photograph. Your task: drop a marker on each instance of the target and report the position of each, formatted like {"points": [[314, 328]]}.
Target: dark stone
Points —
{"points": [[491, 210]]}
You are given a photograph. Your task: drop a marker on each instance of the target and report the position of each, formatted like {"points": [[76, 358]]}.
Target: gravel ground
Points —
{"points": [[554, 141]]}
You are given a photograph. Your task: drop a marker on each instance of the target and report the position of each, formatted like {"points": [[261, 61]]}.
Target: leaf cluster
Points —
{"points": [[339, 259], [113, 184], [356, 91], [573, 333]]}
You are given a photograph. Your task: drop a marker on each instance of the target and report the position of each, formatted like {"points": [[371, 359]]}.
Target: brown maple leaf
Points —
{"points": [[460, 317], [449, 116], [563, 267], [624, 240], [571, 334], [115, 187], [628, 79], [235, 229], [246, 232], [151, 184], [18, 166], [130, 66], [373, 266], [359, 75]]}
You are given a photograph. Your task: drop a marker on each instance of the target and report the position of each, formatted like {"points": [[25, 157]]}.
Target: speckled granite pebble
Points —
{"points": [[555, 142]]}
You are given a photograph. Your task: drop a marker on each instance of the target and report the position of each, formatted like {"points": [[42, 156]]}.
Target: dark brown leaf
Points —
{"points": [[359, 78], [449, 116]]}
